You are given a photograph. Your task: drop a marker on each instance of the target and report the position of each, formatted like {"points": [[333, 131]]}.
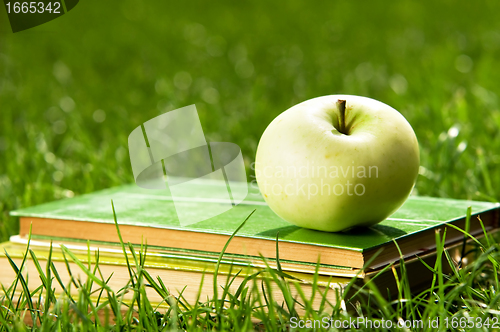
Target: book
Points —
{"points": [[193, 278], [156, 251], [149, 216]]}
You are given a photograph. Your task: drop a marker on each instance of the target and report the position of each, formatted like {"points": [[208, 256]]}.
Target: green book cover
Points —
{"points": [[155, 208]]}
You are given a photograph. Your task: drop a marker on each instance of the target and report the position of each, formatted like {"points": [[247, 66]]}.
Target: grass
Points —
{"points": [[73, 89]]}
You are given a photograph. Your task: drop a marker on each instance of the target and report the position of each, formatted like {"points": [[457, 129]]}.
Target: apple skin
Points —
{"points": [[303, 141]]}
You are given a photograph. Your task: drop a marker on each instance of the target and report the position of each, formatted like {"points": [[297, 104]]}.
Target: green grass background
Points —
{"points": [[73, 89]]}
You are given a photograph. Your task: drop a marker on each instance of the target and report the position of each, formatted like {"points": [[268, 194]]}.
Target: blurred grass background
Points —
{"points": [[73, 89]]}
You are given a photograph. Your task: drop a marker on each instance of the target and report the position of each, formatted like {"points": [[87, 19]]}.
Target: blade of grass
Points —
{"points": [[219, 309], [85, 269]]}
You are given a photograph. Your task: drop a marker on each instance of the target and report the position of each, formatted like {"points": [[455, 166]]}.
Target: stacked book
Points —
{"points": [[76, 233]]}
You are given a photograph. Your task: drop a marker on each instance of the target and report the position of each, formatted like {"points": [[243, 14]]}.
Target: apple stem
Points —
{"points": [[341, 108]]}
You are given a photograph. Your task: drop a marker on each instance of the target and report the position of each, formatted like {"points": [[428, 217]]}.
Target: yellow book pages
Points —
{"points": [[195, 279]]}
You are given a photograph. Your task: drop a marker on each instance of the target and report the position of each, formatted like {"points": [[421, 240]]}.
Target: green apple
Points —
{"points": [[335, 162]]}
